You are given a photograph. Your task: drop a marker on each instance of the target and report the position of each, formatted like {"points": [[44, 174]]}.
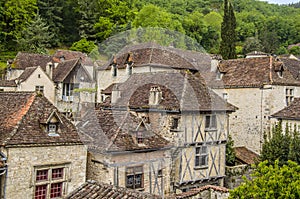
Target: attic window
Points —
{"points": [[52, 128], [139, 137], [114, 70], [280, 73], [219, 75]]}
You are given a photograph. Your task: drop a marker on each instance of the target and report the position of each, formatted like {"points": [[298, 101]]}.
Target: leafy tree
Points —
{"points": [[252, 44], [228, 35], [36, 37], [271, 181], [230, 154], [16, 15], [282, 50], [295, 50], [83, 46], [277, 146]]}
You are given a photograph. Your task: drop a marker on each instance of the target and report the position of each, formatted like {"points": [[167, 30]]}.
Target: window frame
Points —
{"points": [[201, 157], [289, 95], [52, 181], [134, 171], [211, 122], [174, 124], [39, 89]]}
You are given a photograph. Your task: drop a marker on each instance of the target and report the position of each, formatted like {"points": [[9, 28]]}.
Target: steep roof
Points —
{"points": [[27, 72], [291, 112], [155, 55], [254, 72], [8, 83], [24, 60], [97, 190], [193, 192], [109, 89], [116, 130], [245, 155], [293, 65], [68, 55], [181, 91], [20, 121], [63, 69]]}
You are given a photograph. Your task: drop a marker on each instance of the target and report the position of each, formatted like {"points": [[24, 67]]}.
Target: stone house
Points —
{"points": [[259, 87], [8, 85], [57, 76], [179, 106], [42, 155], [145, 58], [289, 116]]}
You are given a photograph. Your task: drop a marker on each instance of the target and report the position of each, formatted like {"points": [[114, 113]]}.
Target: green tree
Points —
{"points": [[228, 34], [271, 181], [295, 50], [83, 46], [230, 154], [16, 15], [35, 38], [252, 44]]}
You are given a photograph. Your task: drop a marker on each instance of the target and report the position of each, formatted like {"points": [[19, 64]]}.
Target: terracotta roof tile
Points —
{"points": [[254, 72], [293, 65], [181, 91], [156, 55], [68, 55], [21, 113], [291, 112], [24, 60], [245, 155], [97, 190], [8, 83], [116, 130], [193, 192]]}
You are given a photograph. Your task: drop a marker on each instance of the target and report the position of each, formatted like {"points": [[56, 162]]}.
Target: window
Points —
{"points": [[39, 89], [210, 122], [49, 182], [289, 95], [225, 96], [114, 70], [52, 128], [201, 157], [68, 89], [174, 124], [39, 75], [139, 137], [134, 177]]}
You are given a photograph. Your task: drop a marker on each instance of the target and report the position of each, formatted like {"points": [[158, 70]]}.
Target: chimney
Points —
{"points": [[155, 96], [49, 69], [115, 94]]}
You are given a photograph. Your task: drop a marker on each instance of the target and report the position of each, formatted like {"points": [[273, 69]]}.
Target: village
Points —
{"points": [[152, 122]]}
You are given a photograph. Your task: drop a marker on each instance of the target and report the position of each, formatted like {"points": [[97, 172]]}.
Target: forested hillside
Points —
{"points": [[37, 25]]}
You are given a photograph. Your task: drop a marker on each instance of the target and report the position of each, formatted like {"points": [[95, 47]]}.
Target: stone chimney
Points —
{"points": [[49, 69], [155, 96]]}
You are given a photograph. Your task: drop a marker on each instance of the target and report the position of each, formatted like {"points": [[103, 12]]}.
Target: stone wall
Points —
{"points": [[22, 163]]}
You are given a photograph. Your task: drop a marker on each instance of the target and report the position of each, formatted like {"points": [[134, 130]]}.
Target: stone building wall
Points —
{"points": [[23, 162]]}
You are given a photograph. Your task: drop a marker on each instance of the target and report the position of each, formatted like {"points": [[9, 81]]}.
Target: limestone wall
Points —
{"points": [[22, 164]]}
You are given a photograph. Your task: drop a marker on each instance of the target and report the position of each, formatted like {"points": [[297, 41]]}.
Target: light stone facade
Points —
{"points": [[39, 78], [111, 169], [255, 106], [22, 164]]}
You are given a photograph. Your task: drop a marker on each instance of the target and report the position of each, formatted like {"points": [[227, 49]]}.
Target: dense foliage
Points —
{"points": [[271, 181], [273, 27], [281, 146]]}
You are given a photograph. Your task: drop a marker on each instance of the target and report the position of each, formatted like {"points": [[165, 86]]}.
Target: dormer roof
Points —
{"points": [[22, 121]]}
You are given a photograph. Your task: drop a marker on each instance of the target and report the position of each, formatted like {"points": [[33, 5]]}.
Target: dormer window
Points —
{"points": [[219, 75], [114, 70], [51, 125], [139, 137], [52, 128], [280, 73]]}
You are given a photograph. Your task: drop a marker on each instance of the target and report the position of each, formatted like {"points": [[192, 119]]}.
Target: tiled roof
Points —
{"points": [[245, 155], [194, 192], [109, 89], [63, 69], [181, 91], [293, 65], [155, 55], [27, 72], [68, 55], [24, 60], [96, 190], [8, 83], [290, 112], [116, 130], [254, 72], [20, 124]]}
